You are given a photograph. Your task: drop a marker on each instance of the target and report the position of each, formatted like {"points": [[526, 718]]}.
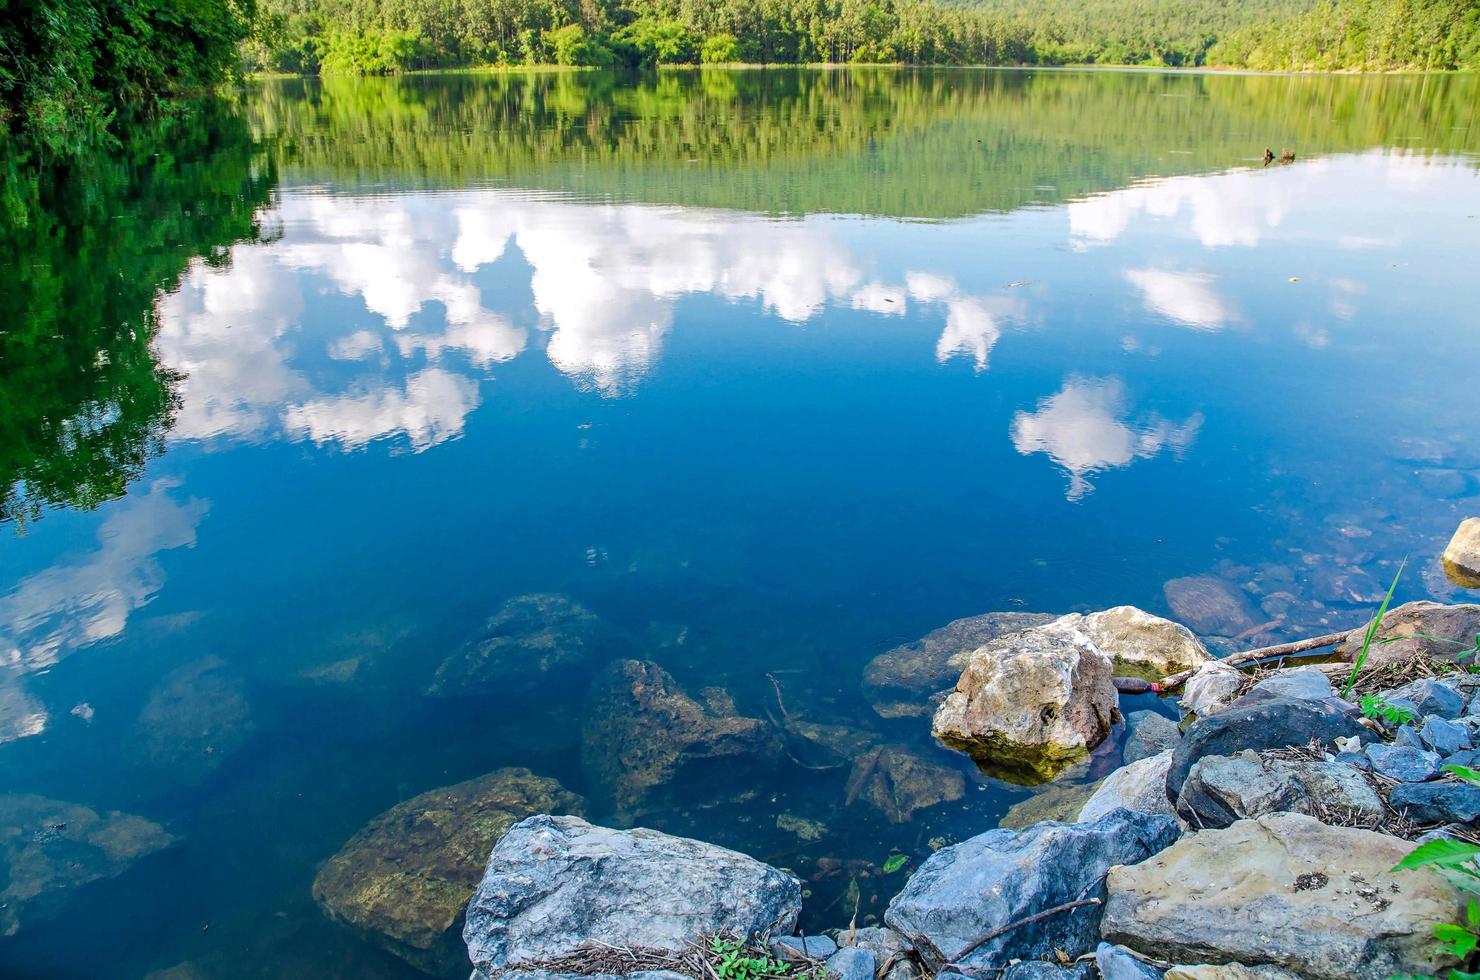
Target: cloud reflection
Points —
{"points": [[1085, 429], [1183, 297]]}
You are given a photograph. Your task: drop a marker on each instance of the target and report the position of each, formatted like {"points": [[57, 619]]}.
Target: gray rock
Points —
{"points": [[1429, 696], [897, 780], [1437, 802], [1137, 643], [1273, 724], [1321, 902], [1357, 760], [813, 947], [1222, 789], [553, 883], [964, 891], [1149, 733], [1039, 970], [1462, 556], [1403, 762], [1408, 735], [1211, 689], [1139, 786], [531, 641], [853, 963], [1444, 737], [1116, 963], [1469, 758], [882, 941], [900, 682], [1418, 629], [1295, 682]]}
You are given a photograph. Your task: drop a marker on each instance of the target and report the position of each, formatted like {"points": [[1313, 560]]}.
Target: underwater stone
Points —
{"points": [[897, 780], [1210, 606], [197, 716], [531, 641]]}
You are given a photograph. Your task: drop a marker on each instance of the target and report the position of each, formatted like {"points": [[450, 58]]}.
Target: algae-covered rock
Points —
{"points": [[896, 780], [530, 641], [1031, 704], [404, 879], [197, 716], [49, 847], [642, 732], [1138, 643], [899, 682]]}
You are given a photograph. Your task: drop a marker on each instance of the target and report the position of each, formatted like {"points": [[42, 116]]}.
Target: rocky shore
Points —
{"points": [[1256, 834]]}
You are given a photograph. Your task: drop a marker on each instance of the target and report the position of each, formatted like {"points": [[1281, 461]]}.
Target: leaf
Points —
{"points": [[1442, 852], [1463, 772], [1372, 631], [894, 862]]}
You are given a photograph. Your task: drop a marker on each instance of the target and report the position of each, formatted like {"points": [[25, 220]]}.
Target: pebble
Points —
{"points": [[1444, 737], [852, 963], [1404, 763], [1438, 802]]}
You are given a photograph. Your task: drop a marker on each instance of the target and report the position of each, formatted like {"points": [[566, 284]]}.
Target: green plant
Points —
{"points": [[1453, 861], [1372, 631], [733, 959], [894, 862], [1375, 707]]}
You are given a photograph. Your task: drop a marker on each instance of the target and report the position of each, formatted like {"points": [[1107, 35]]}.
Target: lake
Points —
{"points": [[752, 375]]}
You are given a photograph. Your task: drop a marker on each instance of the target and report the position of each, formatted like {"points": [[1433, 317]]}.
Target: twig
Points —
{"points": [[976, 944], [1263, 653]]}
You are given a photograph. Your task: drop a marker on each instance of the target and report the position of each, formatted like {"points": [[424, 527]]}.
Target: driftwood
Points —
{"points": [[1248, 657], [977, 943]]}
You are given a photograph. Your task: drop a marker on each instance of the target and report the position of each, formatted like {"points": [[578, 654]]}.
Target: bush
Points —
{"points": [[571, 45], [720, 49]]}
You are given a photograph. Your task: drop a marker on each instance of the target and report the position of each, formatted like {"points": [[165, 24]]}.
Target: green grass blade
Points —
{"points": [[1372, 631]]}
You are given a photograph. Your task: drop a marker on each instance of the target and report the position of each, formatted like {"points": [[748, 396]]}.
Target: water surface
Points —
{"points": [[771, 371]]}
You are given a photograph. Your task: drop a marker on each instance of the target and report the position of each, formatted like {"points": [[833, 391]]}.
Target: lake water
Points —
{"points": [[769, 371]]}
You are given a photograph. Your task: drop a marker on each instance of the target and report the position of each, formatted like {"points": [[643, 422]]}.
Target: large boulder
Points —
{"points": [[899, 682], [197, 716], [1138, 643], [49, 848], [1029, 705], [897, 780], [965, 891], [1288, 890], [642, 732], [1462, 556], [404, 880], [1418, 629], [555, 883], [1222, 789], [1210, 605], [531, 641], [1275, 723], [1139, 786]]}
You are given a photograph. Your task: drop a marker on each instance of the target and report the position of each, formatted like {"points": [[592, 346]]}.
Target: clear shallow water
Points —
{"points": [[770, 371]]}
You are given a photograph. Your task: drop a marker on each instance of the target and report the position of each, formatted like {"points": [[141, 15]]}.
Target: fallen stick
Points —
{"points": [[1253, 656], [976, 944]]}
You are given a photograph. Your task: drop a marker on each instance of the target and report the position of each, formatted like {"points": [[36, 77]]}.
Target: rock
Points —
{"points": [[1148, 733], [197, 716], [1428, 696], [884, 943], [641, 732], [1407, 734], [48, 848], [1444, 737], [1272, 724], [1418, 629], [804, 828], [1307, 683], [1138, 643], [827, 746], [813, 947], [1059, 801], [853, 963], [1139, 786], [404, 880], [1404, 763], [1469, 758], [553, 883], [1437, 802], [964, 891], [899, 682], [1462, 556], [1210, 606], [1222, 789], [531, 641], [1284, 889], [896, 780], [1228, 971], [1029, 705], [1116, 963], [1210, 690], [1036, 970]]}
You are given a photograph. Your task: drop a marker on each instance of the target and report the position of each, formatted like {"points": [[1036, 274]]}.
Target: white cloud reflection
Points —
{"points": [[1085, 428], [1187, 298]]}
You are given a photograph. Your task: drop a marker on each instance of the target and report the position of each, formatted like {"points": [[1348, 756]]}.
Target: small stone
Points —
{"points": [[1299, 682], [1444, 737], [1211, 689], [814, 947], [1356, 760], [1403, 762], [1408, 735], [1034, 970], [1429, 696], [853, 963], [1437, 802], [1116, 963], [1149, 733], [1469, 758], [1462, 557]]}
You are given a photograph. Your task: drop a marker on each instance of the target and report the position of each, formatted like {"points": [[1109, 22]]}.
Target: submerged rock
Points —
{"points": [[405, 878], [531, 641], [965, 891], [554, 883], [1214, 687], [1139, 786], [1462, 556], [1138, 643], [641, 732], [197, 716], [897, 780], [1418, 629], [48, 848], [1149, 733], [1286, 890], [1029, 705], [1059, 801], [899, 682], [1210, 605]]}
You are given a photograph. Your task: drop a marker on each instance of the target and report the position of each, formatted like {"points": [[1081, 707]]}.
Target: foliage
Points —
{"points": [[90, 244], [1454, 861], [732, 959], [1372, 35], [894, 862], [1375, 707], [720, 49], [1372, 629]]}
